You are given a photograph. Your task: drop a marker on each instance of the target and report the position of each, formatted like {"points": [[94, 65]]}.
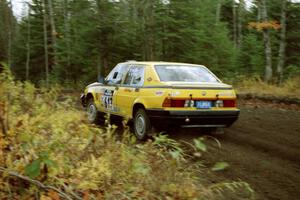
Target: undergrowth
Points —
{"points": [[49, 151], [255, 85]]}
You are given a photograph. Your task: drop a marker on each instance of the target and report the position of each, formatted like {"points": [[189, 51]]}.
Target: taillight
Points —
{"points": [[173, 103], [229, 103], [177, 103], [167, 102]]}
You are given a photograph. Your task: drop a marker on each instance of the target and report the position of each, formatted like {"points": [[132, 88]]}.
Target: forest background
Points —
{"points": [[72, 42]]}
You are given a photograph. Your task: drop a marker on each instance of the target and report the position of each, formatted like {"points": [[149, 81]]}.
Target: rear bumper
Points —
{"points": [[199, 118]]}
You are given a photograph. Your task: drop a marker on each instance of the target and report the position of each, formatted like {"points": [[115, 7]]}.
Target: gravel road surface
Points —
{"points": [[262, 148]]}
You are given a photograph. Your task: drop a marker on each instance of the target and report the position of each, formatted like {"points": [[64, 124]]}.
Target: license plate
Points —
{"points": [[203, 104]]}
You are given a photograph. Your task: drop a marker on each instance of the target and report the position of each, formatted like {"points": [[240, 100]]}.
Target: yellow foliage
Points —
{"points": [[92, 173], [50, 138], [264, 25], [44, 197]]}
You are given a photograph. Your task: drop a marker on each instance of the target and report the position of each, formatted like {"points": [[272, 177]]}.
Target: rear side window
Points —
{"points": [[135, 76], [185, 73]]}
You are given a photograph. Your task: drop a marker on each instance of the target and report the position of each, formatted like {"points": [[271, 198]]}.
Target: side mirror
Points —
{"points": [[101, 79]]}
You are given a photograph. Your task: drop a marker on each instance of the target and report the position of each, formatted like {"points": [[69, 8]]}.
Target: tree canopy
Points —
{"points": [[73, 42]]}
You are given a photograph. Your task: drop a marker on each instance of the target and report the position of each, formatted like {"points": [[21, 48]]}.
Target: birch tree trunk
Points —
{"points": [[267, 43], [218, 11], [46, 43], [258, 11], [28, 45], [281, 52]]}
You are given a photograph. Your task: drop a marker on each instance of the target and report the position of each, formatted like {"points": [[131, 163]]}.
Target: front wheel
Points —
{"points": [[92, 112], [141, 124]]}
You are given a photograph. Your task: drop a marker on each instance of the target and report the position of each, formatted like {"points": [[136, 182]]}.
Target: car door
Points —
{"points": [[108, 101], [129, 89]]}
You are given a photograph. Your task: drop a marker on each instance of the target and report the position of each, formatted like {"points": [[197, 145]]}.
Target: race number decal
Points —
{"points": [[107, 99]]}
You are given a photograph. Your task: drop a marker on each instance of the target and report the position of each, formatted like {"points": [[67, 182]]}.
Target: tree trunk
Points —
{"points": [[46, 43], [267, 42], [164, 42], [218, 11], [234, 23], [281, 53], [10, 28], [67, 35], [104, 60], [28, 45], [258, 11], [148, 25], [103, 44], [99, 68], [53, 32], [241, 8]]}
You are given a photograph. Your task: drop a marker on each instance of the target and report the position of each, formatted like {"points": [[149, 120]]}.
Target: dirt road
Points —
{"points": [[262, 148]]}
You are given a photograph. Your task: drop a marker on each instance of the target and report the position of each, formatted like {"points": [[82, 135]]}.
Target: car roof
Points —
{"points": [[159, 63]]}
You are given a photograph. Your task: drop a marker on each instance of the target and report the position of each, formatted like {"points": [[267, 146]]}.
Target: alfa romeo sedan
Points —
{"points": [[161, 94]]}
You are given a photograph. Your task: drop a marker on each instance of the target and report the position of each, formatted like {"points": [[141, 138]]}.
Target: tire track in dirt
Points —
{"points": [[262, 148]]}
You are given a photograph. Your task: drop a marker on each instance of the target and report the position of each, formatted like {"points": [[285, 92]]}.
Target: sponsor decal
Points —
{"points": [[228, 93], [159, 93], [176, 93]]}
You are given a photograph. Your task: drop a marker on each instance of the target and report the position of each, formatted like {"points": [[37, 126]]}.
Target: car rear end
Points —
{"points": [[193, 97]]}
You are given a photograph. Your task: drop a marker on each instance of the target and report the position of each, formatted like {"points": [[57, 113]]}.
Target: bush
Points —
{"points": [[48, 150]]}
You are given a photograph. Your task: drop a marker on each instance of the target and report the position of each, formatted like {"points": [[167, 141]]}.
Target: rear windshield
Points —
{"points": [[184, 73]]}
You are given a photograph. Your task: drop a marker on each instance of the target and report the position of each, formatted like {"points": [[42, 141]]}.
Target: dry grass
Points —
{"points": [[289, 89]]}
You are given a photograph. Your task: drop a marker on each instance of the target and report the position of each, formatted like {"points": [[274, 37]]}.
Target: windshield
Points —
{"points": [[185, 73]]}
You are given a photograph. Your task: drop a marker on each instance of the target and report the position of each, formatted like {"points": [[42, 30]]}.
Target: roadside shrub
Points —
{"points": [[49, 151]]}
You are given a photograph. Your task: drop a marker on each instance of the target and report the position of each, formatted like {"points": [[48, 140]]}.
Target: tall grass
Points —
{"points": [[49, 151], [254, 85]]}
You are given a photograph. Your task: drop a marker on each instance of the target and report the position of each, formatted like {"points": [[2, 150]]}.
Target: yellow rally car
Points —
{"points": [[152, 94]]}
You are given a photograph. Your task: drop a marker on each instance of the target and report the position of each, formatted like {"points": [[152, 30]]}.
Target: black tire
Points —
{"points": [[92, 112], [141, 124]]}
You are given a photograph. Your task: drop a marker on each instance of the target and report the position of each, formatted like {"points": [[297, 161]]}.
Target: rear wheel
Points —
{"points": [[141, 124]]}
